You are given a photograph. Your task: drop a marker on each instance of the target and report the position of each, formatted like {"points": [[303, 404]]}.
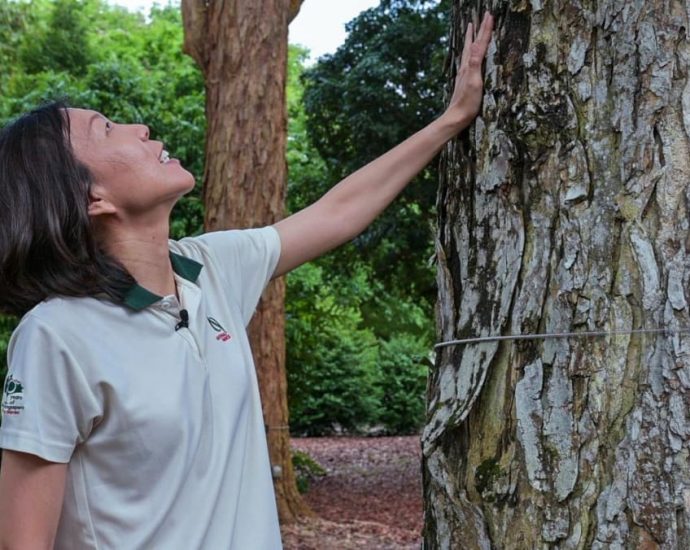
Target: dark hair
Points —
{"points": [[47, 245]]}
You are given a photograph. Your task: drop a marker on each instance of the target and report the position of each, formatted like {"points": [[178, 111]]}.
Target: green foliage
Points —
{"points": [[14, 18], [403, 364], [306, 469], [306, 169], [341, 373], [331, 357], [382, 85], [62, 45]]}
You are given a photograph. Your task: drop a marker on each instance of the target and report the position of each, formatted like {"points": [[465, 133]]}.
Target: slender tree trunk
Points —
{"points": [[241, 47], [565, 208]]}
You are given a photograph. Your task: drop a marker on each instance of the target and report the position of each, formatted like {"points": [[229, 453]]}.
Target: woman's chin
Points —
{"points": [[183, 182], [190, 183]]}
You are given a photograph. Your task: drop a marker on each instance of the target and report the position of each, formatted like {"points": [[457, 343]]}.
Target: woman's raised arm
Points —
{"points": [[348, 208]]}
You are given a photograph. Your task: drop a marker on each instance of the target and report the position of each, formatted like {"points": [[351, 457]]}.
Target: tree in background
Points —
{"points": [[241, 47], [563, 209]]}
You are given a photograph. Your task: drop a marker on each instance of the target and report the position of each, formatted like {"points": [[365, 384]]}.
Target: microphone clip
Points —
{"points": [[184, 320]]}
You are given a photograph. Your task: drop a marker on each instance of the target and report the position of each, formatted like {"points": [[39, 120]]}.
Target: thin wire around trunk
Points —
{"points": [[543, 336]]}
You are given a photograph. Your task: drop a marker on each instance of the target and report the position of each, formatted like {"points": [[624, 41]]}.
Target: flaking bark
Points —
{"points": [[565, 207]]}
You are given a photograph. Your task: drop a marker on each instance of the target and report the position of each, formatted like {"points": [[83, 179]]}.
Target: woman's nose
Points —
{"points": [[143, 132]]}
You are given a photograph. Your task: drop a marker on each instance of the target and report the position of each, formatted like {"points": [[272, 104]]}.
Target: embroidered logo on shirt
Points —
{"points": [[12, 396], [223, 334]]}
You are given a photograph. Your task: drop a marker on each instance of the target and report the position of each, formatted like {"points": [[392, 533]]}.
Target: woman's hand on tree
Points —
{"points": [[469, 84]]}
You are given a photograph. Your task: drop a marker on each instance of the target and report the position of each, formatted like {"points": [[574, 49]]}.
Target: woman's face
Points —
{"points": [[131, 173]]}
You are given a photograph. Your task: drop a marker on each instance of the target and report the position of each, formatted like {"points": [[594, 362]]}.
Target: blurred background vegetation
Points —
{"points": [[360, 320]]}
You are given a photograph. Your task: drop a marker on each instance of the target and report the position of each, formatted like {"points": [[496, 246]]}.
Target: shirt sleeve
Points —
{"points": [[246, 259], [47, 404]]}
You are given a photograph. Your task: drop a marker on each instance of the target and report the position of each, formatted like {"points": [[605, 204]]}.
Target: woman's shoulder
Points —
{"points": [[63, 316], [60, 307], [224, 239], [232, 248]]}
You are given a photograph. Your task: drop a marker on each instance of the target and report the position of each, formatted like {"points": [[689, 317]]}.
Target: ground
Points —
{"points": [[370, 497]]}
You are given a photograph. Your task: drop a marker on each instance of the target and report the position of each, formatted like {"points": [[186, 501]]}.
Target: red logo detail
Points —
{"points": [[223, 335]]}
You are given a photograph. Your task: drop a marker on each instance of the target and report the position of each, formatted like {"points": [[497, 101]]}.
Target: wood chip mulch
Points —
{"points": [[370, 498]]}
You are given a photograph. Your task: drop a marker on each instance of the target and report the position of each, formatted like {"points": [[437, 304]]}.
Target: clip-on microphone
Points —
{"points": [[184, 320]]}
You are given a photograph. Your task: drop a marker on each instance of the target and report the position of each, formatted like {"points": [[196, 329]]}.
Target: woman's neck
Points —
{"points": [[144, 253]]}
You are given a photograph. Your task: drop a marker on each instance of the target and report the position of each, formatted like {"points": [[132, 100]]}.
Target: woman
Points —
{"points": [[131, 413]]}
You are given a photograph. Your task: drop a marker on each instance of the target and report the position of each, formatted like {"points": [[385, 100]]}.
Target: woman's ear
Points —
{"points": [[99, 206]]}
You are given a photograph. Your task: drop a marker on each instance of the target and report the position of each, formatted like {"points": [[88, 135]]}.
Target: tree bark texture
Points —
{"points": [[565, 208], [241, 47]]}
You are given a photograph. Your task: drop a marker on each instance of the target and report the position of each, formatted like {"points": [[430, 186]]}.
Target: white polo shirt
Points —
{"points": [[162, 428]]}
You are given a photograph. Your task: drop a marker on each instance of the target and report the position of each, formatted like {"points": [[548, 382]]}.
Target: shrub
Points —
{"points": [[331, 358], [403, 363], [306, 469]]}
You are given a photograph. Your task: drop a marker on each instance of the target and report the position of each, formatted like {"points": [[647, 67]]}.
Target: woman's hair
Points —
{"points": [[47, 244]]}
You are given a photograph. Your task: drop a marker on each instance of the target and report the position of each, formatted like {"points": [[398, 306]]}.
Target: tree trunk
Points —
{"points": [[565, 208], [241, 47]]}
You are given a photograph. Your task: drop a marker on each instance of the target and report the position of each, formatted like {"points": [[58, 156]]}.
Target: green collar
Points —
{"points": [[139, 298]]}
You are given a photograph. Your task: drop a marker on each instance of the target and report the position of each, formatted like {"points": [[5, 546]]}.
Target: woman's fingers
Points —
{"points": [[469, 38], [474, 49], [485, 30], [481, 44]]}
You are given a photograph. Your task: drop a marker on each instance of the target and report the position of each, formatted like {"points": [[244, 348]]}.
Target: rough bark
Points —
{"points": [[565, 208], [241, 47]]}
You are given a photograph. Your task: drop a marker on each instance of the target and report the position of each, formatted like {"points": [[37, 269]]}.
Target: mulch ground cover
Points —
{"points": [[370, 497]]}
